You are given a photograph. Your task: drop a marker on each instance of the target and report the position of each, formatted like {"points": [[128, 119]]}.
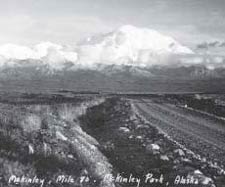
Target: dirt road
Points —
{"points": [[201, 133]]}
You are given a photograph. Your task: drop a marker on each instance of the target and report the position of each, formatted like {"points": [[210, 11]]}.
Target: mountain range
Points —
{"points": [[126, 59]]}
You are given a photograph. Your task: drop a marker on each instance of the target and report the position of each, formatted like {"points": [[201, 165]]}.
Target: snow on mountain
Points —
{"points": [[43, 48], [58, 59], [127, 45], [12, 51], [19, 52], [130, 45], [139, 48], [53, 55]]}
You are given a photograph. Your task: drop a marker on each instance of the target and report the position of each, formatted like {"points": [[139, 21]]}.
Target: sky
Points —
{"points": [[28, 22]]}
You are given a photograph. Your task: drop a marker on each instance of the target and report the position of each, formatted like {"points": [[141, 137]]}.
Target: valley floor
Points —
{"points": [[108, 141]]}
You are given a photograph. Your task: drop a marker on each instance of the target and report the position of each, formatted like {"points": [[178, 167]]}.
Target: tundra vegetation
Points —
{"points": [[77, 140]]}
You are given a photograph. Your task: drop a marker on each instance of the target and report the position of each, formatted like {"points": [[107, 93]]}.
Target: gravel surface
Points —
{"points": [[195, 131]]}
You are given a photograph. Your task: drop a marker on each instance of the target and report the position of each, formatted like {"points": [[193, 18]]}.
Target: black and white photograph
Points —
{"points": [[112, 93]]}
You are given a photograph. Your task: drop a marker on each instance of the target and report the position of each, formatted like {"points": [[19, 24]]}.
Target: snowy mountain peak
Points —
{"points": [[127, 45], [152, 39], [130, 45]]}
